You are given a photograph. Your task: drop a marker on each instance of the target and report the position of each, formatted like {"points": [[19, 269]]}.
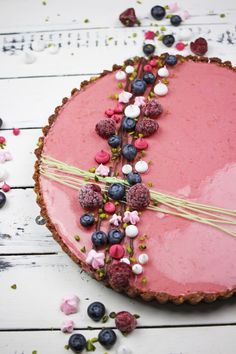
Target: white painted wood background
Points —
{"points": [[30, 318]]}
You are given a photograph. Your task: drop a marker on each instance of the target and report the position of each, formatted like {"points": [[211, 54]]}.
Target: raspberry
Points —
{"points": [[119, 275], [128, 17], [106, 128], [138, 197], [199, 46], [152, 109], [90, 197], [125, 321], [146, 126]]}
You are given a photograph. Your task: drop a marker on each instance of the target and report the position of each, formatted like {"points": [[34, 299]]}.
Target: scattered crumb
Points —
{"points": [[86, 20], [44, 3], [13, 286], [34, 352], [222, 15]]}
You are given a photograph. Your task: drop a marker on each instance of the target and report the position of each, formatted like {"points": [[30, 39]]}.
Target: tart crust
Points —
{"points": [[161, 297]]}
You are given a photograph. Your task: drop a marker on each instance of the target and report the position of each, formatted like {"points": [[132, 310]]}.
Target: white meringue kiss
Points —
{"points": [[126, 169], [120, 75], [160, 89], [163, 72], [125, 260], [143, 258], [131, 231], [132, 111], [137, 269], [141, 166], [129, 69]]}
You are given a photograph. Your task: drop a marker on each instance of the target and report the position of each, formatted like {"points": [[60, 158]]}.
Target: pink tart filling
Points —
{"points": [[193, 155]]}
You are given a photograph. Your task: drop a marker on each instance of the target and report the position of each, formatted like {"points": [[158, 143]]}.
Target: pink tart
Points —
{"points": [[184, 206]]}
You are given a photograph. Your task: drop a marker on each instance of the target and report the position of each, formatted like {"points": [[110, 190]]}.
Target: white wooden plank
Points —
{"points": [[43, 280], [217, 340], [34, 99], [21, 233]]}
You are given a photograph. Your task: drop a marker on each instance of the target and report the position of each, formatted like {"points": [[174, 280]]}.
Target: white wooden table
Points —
{"points": [[30, 318]]}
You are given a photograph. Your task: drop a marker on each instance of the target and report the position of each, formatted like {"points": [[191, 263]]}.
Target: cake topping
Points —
{"points": [[16, 131], [114, 141], [120, 75], [109, 207], [128, 17], [125, 321], [129, 69], [171, 60], [129, 151], [146, 127], [125, 260], [107, 337], [153, 62], [141, 144], [131, 217], [149, 35], [148, 49], [137, 269], [116, 251], [180, 46], [161, 89], [132, 111], [168, 40], [102, 170], [90, 197], [199, 46], [147, 68], [152, 109], [143, 258], [106, 128], [119, 275], [124, 97], [118, 108], [115, 220], [131, 231], [109, 112], [116, 191], [77, 343], [133, 178], [138, 86], [141, 166], [70, 304], [5, 187], [138, 197], [67, 326], [96, 310], [163, 72], [99, 238], [87, 220], [129, 124], [149, 78], [139, 101], [115, 236], [102, 157], [95, 259], [126, 169]]}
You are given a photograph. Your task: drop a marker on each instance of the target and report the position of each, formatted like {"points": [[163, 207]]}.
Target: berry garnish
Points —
{"points": [[149, 78], [115, 236], [133, 178], [149, 35], [158, 12], [125, 321], [168, 40], [138, 86], [128, 17], [102, 157], [96, 311], [107, 337], [146, 127], [152, 109], [99, 238], [2, 199], [148, 49], [77, 343], [128, 124], [180, 46], [119, 275], [16, 131], [199, 46], [129, 151], [90, 197], [116, 191], [109, 207], [171, 60], [106, 128], [138, 197], [116, 251], [114, 141], [175, 20], [87, 220]]}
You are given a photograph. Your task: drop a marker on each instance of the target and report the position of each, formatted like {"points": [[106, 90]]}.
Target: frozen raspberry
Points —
{"points": [[106, 128], [138, 197], [90, 197], [125, 321], [199, 46], [128, 17], [119, 275], [146, 127], [152, 109]]}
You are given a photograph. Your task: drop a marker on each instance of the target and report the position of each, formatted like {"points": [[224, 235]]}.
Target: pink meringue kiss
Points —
{"points": [[5, 187], [116, 251], [67, 326], [141, 144], [70, 304], [109, 207], [147, 67], [109, 112], [95, 259], [102, 157]]}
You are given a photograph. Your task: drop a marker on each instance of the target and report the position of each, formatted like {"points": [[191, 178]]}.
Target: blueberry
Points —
{"points": [[115, 236], [87, 220], [148, 49], [1, 122], [168, 40], [2, 199], [116, 191], [96, 311], [128, 124], [171, 60], [158, 12], [114, 141], [133, 178], [99, 238], [107, 337], [129, 151], [175, 20], [149, 78], [77, 343], [138, 86]]}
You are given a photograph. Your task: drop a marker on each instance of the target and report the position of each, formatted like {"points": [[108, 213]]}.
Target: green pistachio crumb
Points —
{"points": [[103, 216], [105, 318], [86, 20], [96, 178], [169, 15], [166, 7], [165, 81], [140, 135], [117, 203], [77, 237], [44, 3], [142, 238], [120, 85], [86, 178], [150, 162], [92, 169], [139, 2], [47, 19], [34, 352], [150, 184], [94, 339], [125, 225], [110, 38], [142, 247], [163, 28], [133, 259], [136, 316], [13, 286], [134, 35], [157, 33], [144, 280], [143, 153], [66, 346], [222, 15], [89, 327], [160, 37], [152, 94], [112, 315], [129, 249], [89, 346], [83, 249]]}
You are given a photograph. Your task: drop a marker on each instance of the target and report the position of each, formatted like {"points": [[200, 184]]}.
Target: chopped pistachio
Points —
{"points": [[34, 352], [140, 135], [13, 286], [150, 184], [163, 28], [77, 237], [94, 339], [117, 203], [134, 35], [103, 216], [166, 7], [165, 81], [66, 346], [44, 3], [169, 15], [222, 15], [92, 169], [139, 2], [152, 94], [87, 178], [144, 280], [112, 315], [133, 259], [142, 238], [160, 38], [89, 346], [142, 246], [129, 249], [83, 249], [86, 20], [110, 38], [150, 162], [124, 225], [136, 315], [105, 318], [143, 153], [120, 85], [96, 178]]}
